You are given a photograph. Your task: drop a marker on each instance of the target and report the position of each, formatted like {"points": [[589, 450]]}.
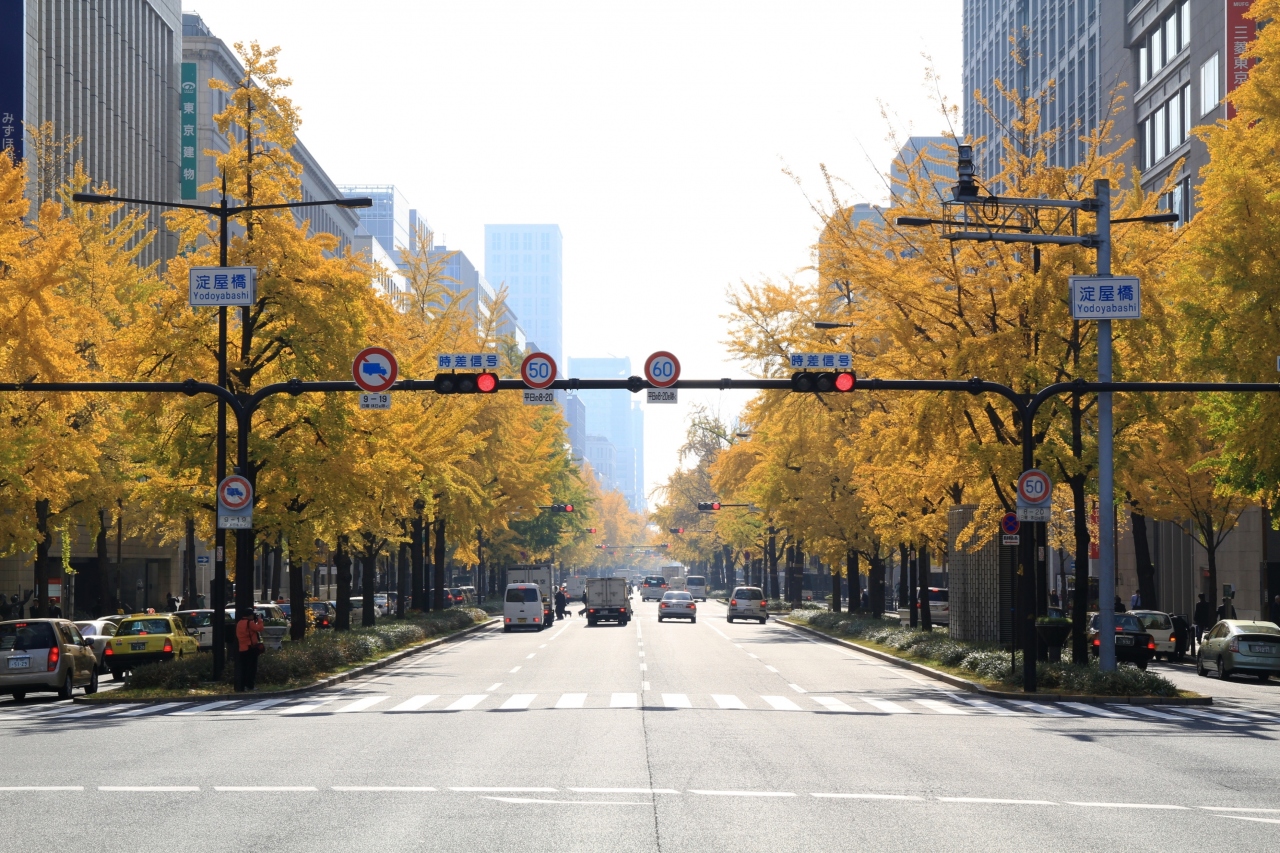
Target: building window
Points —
{"points": [[1209, 91], [1184, 15], [546, 242], [1144, 73], [496, 242], [513, 243], [528, 242]]}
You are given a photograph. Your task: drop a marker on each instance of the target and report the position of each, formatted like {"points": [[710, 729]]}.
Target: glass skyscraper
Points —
{"points": [[528, 260]]}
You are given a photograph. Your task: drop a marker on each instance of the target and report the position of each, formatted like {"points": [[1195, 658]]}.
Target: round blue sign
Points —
{"points": [[1010, 524]]}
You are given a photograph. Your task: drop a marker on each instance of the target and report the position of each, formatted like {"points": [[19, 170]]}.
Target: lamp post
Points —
{"points": [[824, 324], [224, 212]]}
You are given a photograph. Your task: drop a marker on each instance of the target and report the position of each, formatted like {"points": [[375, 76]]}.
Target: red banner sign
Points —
{"points": [[1241, 32]]}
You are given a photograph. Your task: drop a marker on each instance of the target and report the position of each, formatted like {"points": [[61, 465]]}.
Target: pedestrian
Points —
{"points": [[866, 600], [561, 601], [1119, 606], [1203, 616], [249, 634], [172, 602], [55, 612], [1053, 598], [1227, 610], [1275, 610], [1135, 600]]}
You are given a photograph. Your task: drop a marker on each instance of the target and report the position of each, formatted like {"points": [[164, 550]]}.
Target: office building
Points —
{"points": [[391, 221], [575, 415], [602, 454], [931, 158], [617, 417], [107, 74], [528, 261]]}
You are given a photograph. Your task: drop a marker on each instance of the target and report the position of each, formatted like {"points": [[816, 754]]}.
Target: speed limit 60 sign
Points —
{"points": [[662, 369]]}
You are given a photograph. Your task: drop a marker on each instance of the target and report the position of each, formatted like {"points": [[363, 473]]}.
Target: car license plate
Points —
{"points": [[1262, 650], [522, 619], [1124, 641], [138, 647], [19, 663]]}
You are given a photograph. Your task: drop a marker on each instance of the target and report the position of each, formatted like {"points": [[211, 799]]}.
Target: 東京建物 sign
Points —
{"points": [[222, 286], [1105, 298]]}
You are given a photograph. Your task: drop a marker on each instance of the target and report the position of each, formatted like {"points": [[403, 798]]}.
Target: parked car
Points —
{"points": [[1240, 645], [458, 597], [1160, 627], [98, 632], [45, 656], [199, 624], [1133, 645], [677, 604], [939, 605], [653, 588], [325, 614], [148, 638], [748, 602]]}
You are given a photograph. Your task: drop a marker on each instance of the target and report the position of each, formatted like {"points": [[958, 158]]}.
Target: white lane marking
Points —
{"points": [[834, 704], [258, 706], [752, 656], [624, 790], [413, 703], [622, 700], [1219, 718], [676, 700], [261, 789], [91, 712], [1270, 718], [1047, 710], [543, 646], [867, 796], [494, 686], [571, 700], [644, 685], [1242, 817], [515, 669], [725, 700], [530, 801], [505, 790], [202, 709], [362, 704], [642, 653], [1236, 809], [307, 707], [781, 703], [991, 708], [528, 656], [379, 788], [1129, 806], [771, 669], [15, 788], [518, 702], [1147, 712], [736, 646], [1096, 710], [718, 631], [466, 703], [644, 667], [996, 800], [152, 709], [885, 705], [148, 789], [797, 688], [743, 793], [941, 707]]}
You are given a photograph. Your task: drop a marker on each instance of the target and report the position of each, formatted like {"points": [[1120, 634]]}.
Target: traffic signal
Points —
{"points": [[591, 530], [708, 506], [823, 383], [465, 383], [676, 530], [966, 187], [562, 507]]}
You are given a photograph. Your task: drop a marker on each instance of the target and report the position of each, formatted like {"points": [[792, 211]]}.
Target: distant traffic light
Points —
{"points": [[561, 508], [465, 383], [591, 530], [676, 530], [708, 506], [823, 383]]}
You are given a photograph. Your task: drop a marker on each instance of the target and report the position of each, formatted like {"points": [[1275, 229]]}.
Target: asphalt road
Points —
{"points": [[662, 737]]}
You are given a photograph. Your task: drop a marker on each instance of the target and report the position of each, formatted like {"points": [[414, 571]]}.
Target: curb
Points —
{"points": [[974, 687], [358, 671]]}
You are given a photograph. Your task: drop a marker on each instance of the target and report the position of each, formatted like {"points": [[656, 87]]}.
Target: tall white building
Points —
{"points": [[529, 261]]}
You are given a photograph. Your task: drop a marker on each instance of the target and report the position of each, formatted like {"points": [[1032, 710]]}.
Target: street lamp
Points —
{"points": [[823, 324], [224, 212]]}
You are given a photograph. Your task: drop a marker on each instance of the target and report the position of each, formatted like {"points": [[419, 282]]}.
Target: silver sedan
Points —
{"points": [[677, 605]]}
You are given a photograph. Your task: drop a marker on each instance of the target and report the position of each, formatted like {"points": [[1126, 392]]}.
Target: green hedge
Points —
{"points": [[318, 653], [987, 660]]}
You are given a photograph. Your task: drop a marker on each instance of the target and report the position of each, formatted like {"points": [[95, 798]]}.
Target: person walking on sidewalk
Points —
{"points": [[249, 634]]}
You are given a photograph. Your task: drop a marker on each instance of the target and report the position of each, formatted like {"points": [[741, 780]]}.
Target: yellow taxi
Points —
{"points": [[148, 638]]}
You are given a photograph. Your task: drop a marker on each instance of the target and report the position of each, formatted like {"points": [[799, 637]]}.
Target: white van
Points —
{"points": [[522, 607], [696, 586]]}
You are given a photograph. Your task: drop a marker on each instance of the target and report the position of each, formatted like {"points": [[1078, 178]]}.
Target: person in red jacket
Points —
{"points": [[249, 634]]}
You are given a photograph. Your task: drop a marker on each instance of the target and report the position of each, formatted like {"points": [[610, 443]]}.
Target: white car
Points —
{"points": [[677, 605], [748, 602], [696, 586], [522, 608], [1160, 627], [653, 588]]}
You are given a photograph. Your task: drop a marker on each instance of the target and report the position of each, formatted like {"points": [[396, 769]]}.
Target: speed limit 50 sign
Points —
{"points": [[1035, 495]]}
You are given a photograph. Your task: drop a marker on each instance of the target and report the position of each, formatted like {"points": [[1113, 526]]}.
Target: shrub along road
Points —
{"points": [[670, 736]]}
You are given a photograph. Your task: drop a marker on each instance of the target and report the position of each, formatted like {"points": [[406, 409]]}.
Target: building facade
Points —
{"points": [[617, 417], [932, 158], [529, 261], [391, 221]]}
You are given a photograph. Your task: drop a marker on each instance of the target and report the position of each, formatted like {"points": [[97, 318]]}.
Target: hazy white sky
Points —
{"points": [[655, 134]]}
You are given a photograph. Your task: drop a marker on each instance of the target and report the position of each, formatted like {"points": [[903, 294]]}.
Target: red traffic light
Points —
{"points": [[487, 383], [568, 507], [844, 381], [591, 530]]}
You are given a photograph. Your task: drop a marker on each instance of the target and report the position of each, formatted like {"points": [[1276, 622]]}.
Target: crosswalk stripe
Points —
{"points": [[572, 700], [466, 703], [622, 700], [833, 704], [885, 705], [91, 712], [725, 700], [518, 702], [676, 700], [941, 707], [258, 706], [1096, 710], [414, 703], [306, 707], [152, 709], [202, 709], [781, 703], [1220, 718], [362, 704], [1159, 715], [991, 707], [1047, 710]]}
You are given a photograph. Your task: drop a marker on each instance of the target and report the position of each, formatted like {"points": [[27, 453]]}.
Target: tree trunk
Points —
{"points": [[189, 563], [104, 566], [926, 613], [297, 601], [277, 569], [1142, 556], [369, 575], [771, 554], [730, 572], [416, 555], [876, 585], [41, 570], [913, 588], [904, 588], [438, 601], [402, 577], [835, 590], [1211, 551], [342, 560], [855, 580]]}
